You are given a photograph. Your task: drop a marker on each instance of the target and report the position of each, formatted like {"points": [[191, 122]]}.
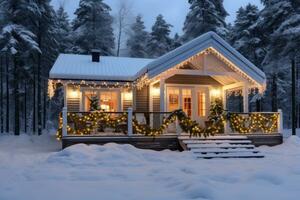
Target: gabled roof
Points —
{"points": [[70, 66], [81, 67], [200, 44]]}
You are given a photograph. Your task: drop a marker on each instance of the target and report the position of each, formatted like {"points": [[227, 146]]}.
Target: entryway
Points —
{"points": [[193, 100]]}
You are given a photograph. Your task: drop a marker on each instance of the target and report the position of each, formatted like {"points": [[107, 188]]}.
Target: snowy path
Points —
{"points": [[30, 168]]}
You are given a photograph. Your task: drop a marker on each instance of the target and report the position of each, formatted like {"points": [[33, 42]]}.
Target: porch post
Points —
{"points": [[65, 94], [162, 95], [245, 99], [280, 121], [129, 122], [65, 121]]}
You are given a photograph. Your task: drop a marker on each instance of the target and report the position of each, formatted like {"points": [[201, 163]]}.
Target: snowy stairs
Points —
{"points": [[221, 147]]}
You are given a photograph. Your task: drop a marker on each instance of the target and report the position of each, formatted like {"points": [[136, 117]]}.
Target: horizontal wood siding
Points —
{"points": [[142, 99], [127, 104], [191, 79], [73, 104]]}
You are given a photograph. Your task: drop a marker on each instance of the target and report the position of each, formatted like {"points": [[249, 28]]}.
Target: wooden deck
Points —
{"points": [[159, 142], [143, 142]]}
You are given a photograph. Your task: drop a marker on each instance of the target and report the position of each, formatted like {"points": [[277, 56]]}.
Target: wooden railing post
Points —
{"points": [[280, 121], [65, 121], [129, 122]]}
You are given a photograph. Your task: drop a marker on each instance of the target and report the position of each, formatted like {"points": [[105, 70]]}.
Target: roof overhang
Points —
{"points": [[214, 44]]}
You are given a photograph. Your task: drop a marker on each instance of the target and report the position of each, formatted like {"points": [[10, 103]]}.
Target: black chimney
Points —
{"points": [[95, 55]]}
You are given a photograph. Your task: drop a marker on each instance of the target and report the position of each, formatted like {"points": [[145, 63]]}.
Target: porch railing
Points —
{"points": [[117, 123], [254, 123], [124, 123]]}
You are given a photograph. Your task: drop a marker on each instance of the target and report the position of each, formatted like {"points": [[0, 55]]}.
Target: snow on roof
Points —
{"points": [[81, 67]]}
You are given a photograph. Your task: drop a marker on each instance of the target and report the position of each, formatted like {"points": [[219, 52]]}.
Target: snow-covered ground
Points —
{"points": [[33, 168]]}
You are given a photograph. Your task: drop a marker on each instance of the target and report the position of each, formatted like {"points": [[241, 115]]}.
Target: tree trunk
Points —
{"points": [[274, 93], [45, 105], [34, 101], [39, 99], [119, 39], [7, 92], [1, 95], [39, 89], [16, 95], [25, 107]]}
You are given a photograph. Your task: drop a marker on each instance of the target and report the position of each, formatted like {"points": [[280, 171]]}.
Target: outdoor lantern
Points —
{"points": [[215, 92], [155, 91]]}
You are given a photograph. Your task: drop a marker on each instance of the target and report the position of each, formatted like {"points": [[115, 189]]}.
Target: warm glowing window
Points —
{"points": [[173, 96], [201, 104], [109, 101], [187, 101], [88, 95]]}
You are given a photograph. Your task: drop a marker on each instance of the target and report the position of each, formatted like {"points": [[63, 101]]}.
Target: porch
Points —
{"points": [[127, 128]]}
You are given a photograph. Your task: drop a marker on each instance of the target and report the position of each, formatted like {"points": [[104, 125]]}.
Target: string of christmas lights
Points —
{"points": [[254, 122]]}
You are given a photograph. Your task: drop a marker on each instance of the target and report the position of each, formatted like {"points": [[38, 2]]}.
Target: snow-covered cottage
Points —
{"points": [[130, 100]]}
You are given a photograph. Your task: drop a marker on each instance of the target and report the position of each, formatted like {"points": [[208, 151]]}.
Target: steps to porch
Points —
{"points": [[220, 147]]}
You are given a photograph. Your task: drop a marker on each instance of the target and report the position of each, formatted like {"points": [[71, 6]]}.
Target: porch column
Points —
{"points": [[162, 95], [245, 99], [65, 121], [65, 94]]}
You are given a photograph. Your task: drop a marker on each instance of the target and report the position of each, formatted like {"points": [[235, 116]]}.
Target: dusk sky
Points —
{"points": [[174, 11]]}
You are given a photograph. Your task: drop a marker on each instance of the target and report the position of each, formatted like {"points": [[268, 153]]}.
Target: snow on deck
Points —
{"points": [[71, 66], [32, 168]]}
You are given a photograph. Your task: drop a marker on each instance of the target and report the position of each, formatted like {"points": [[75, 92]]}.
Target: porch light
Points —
{"points": [[127, 96], [74, 93], [155, 91], [215, 93]]}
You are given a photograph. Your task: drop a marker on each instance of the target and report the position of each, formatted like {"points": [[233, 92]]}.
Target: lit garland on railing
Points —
{"points": [[254, 122], [186, 124], [86, 123]]}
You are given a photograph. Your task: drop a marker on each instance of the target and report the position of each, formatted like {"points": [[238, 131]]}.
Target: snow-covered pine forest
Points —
{"points": [[33, 33]]}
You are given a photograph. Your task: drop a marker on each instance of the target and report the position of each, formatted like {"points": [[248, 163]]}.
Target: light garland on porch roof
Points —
{"points": [[90, 84], [208, 51]]}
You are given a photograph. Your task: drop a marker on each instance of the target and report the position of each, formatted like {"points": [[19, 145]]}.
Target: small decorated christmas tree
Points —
{"points": [[216, 116], [94, 103]]}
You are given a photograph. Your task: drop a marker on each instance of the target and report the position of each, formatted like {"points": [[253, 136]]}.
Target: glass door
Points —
{"points": [[173, 99], [202, 99], [187, 102]]}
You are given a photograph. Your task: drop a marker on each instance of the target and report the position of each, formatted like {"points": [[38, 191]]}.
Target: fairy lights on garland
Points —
{"points": [[97, 121], [254, 122], [88, 123], [186, 124]]}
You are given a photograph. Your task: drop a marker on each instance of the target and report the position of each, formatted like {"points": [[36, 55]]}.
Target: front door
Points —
{"points": [[202, 104], [194, 101]]}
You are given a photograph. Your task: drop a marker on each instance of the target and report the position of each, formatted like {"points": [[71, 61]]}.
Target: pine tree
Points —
{"points": [[205, 16], [159, 41], [63, 30], [17, 41], [280, 23], [93, 27], [44, 28], [246, 38], [136, 43], [176, 41]]}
